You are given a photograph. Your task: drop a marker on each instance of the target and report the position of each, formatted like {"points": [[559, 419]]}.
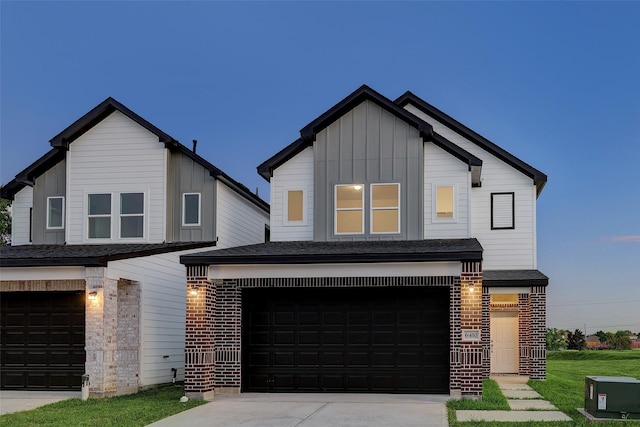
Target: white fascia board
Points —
{"points": [[399, 269], [510, 290], [42, 273]]}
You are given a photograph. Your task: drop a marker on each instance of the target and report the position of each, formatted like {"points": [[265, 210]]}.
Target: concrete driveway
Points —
{"points": [[18, 400], [315, 410]]}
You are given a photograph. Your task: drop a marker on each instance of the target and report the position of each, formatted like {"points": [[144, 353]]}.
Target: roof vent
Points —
{"points": [[195, 142]]}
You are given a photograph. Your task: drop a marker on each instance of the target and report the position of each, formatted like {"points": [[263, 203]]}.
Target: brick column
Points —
{"points": [[101, 333], [199, 367], [538, 333], [486, 333], [128, 354], [470, 370], [524, 333], [228, 321]]}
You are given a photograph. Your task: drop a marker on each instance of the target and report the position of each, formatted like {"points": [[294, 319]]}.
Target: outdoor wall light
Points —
{"points": [[92, 296], [357, 187], [471, 288], [194, 290]]}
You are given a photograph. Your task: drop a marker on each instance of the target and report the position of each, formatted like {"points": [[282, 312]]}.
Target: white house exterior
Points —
{"points": [[402, 260], [92, 282]]}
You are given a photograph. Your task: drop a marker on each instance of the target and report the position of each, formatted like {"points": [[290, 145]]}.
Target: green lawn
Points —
{"points": [[564, 386], [137, 409]]}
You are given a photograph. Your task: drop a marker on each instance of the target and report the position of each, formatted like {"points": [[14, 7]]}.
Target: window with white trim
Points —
{"points": [[503, 211], [349, 209], [295, 214], [191, 206], [55, 213], [99, 216], [385, 208], [131, 215], [444, 203]]}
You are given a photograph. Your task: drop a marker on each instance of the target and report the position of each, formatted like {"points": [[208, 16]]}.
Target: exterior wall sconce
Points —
{"points": [[194, 290], [471, 288], [92, 296]]}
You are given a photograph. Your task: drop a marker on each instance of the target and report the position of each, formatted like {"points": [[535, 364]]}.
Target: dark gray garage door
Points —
{"points": [[42, 340], [390, 340]]}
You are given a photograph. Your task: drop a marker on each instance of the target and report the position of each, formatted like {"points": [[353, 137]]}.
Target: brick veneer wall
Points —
{"points": [[199, 364], [128, 351], [486, 333], [470, 366], [538, 333], [524, 334]]}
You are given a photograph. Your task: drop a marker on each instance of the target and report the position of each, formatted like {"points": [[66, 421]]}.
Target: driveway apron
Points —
{"points": [[315, 410]]}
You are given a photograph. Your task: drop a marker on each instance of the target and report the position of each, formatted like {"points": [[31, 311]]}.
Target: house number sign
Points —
{"points": [[471, 335]]}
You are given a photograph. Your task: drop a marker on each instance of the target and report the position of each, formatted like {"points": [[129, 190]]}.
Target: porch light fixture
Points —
{"points": [[92, 296], [357, 187], [194, 290], [471, 288]]}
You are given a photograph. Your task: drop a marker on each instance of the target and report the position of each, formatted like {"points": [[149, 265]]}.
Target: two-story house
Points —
{"points": [[92, 281], [402, 260]]}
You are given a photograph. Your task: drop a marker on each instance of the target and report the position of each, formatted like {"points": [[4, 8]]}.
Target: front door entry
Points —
{"points": [[504, 342]]}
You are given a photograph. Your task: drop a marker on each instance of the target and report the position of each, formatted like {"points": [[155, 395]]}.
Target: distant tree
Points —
{"points": [[5, 222], [620, 340], [602, 336], [576, 340], [555, 339]]}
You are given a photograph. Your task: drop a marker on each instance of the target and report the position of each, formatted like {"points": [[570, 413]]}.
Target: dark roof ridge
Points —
{"points": [[540, 179]]}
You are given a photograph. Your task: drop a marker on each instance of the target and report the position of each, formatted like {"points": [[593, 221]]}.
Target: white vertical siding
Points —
{"points": [[441, 168], [163, 286], [239, 222], [295, 174], [503, 249], [117, 155], [20, 225]]}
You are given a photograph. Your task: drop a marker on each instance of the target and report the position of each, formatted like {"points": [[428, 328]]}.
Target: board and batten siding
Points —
{"points": [[188, 176], [163, 287], [442, 169], [503, 249], [20, 225], [51, 183], [295, 174], [369, 145], [116, 156], [239, 222]]}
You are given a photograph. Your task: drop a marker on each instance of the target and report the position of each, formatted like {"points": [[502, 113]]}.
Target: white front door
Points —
{"points": [[504, 342]]}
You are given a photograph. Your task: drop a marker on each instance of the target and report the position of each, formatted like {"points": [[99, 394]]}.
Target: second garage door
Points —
{"points": [[390, 340]]}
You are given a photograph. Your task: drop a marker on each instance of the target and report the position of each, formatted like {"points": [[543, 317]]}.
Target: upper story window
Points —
{"points": [[349, 214], [295, 207], [131, 215], [503, 211], [444, 203], [385, 208], [191, 209], [55, 213], [99, 216]]}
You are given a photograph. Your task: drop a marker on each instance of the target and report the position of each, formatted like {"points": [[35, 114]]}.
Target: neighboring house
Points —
{"points": [[402, 260], [593, 343], [92, 282]]}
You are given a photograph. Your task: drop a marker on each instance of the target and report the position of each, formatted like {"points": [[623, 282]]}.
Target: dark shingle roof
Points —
{"points": [[514, 278], [342, 252], [86, 255]]}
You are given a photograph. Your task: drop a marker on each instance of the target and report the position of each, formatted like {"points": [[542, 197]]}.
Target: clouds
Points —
{"points": [[624, 239]]}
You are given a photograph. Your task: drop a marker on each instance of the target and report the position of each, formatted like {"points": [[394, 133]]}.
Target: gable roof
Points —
{"points": [[365, 93], [99, 113], [60, 144], [539, 178]]}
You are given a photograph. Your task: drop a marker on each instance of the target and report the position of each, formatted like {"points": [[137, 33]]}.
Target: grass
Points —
{"points": [[564, 387], [132, 410]]}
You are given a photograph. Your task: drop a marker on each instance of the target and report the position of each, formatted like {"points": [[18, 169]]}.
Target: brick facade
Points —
{"points": [[128, 349], [538, 333]]}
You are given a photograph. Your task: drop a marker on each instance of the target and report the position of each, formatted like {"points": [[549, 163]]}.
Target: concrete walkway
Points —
{"points": [[525, 403], [18, 400], [314, 410]]}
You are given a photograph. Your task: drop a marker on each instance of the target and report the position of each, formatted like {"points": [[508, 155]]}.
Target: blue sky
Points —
{"points": [[555, 83]]}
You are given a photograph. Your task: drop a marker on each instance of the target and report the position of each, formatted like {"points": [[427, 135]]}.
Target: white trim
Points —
{"points": [[61, 227], [434, 204], [285, 216], [371, 208], [336, 209], [184, 210], [387, 269], [42, 273]]}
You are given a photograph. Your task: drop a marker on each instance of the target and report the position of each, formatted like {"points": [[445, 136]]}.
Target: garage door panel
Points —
{"points": [[357, 339], [42, 340]]}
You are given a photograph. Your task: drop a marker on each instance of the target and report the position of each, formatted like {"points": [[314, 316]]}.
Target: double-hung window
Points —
{"points": [[295, 214], [191, 209], [131, 215], [349, 213], [99, 216], [385, 208], [55, 213]]}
